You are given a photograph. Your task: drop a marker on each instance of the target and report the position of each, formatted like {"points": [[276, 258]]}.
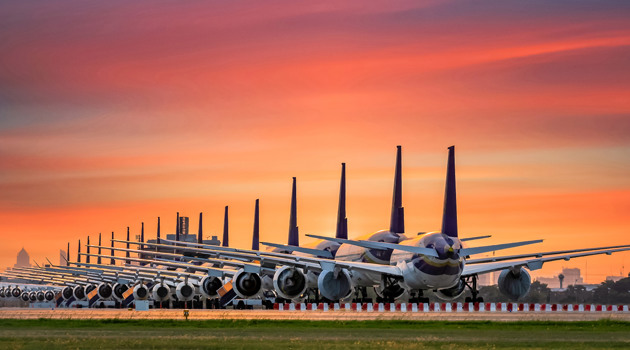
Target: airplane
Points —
{"points": [[431, 261]]}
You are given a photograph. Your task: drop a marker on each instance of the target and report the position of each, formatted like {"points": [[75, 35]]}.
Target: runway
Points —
{"points": [[311, 315]]}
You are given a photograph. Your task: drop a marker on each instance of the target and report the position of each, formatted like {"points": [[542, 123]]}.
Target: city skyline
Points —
{"points": [[118, 113]]}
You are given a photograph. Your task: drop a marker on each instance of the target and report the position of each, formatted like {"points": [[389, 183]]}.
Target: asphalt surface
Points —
{"points": [[86, 314]]}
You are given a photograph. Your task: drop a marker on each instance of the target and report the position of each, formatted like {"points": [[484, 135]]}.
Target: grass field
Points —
{"points": [[242, 334]]}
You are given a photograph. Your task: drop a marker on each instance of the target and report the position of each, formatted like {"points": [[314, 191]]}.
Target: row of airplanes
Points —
{"points": [[396, 265]]}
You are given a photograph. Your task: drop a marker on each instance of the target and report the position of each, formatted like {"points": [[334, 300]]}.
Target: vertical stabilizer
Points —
{"points": [[200, 233], [342, 220], [68, 255], [256, 236], [87, 250], [158, 231], [294, 235], [142, 236], [127, 253], [112, 261], [98, 260], [226, 241], [79, 252], [397, 222], [177, 228], [449, 218]]}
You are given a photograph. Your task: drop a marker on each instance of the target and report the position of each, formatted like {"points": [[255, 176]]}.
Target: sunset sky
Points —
{"points": [[116, 112]]}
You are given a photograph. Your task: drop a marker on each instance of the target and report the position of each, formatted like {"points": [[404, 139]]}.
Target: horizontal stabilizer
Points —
{"points": [[289, 248], [474, 238], [491, 248], [382, 245]]}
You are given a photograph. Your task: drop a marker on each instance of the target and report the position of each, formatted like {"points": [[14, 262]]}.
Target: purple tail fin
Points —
{"points": [[449, 218], [342, 220], [397, 222], [226, 241], [294, 235], [256, 236], [200, 233]]}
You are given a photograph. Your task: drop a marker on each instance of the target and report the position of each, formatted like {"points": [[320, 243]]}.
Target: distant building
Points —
{"points": [[572, 276], [23, 259]]}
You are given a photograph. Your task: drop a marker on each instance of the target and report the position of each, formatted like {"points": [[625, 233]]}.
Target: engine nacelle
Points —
{"points": [[66, 293], [209, 286], [79, 292], [161, 292], [334, 287], [118, 291], [2, 292], [32, 296], [246, 284], [514, 285], [452, 293], [140, 292], [24, 296], [185, 291], [40, 296], [49, 295], [89, 288], [104, 291], [16, 292], [289, 282]]}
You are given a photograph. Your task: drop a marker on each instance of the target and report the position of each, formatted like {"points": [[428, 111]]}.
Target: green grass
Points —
{"points": [[261, 334]]}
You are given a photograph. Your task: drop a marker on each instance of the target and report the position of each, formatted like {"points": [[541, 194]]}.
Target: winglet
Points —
{"points": [[342, 220], [225, 242], [294, 235], [256, 236], [449, 217], [397, 222]]}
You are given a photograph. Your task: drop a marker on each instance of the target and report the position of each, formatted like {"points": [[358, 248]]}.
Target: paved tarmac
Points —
{"points": [[87, 314]]}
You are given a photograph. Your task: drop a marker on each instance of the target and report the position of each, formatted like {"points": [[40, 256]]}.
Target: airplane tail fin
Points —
{"points": [[342, 220], [225, 242], [294, 235], [79, 252], [200, 233], [98, 260], [127, 254], [68, 255], [176, 228], [256, 236], [449, 218], [158, 231], [112, 261], [397, 222], [87, 250]]}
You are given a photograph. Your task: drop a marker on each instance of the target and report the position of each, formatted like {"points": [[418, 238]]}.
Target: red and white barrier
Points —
{"points": [[451, 307]]}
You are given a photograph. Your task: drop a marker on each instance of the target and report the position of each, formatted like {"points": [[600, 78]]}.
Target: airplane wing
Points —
{"points": [[537, 255], [530, 264]]}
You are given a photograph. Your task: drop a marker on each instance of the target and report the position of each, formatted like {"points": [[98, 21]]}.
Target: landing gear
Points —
{"points": [[418, 298], [471, 283]]}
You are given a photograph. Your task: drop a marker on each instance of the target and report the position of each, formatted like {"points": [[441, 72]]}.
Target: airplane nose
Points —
{"points": [[450, 251]]}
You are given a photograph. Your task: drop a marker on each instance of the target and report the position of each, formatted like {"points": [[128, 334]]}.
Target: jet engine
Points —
{"points": [[140, 292], [79, 292], [89, 288], [32, 296], [104, 291], [118, 291], [16, 292], [246, 284], [452, 293], [49, 295], [513, 284], [161, 292], [24, 296], [209, 286], [40, 296], [289, 282], [66, 293], [2, 292], [334, 287], [185, 291]]}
